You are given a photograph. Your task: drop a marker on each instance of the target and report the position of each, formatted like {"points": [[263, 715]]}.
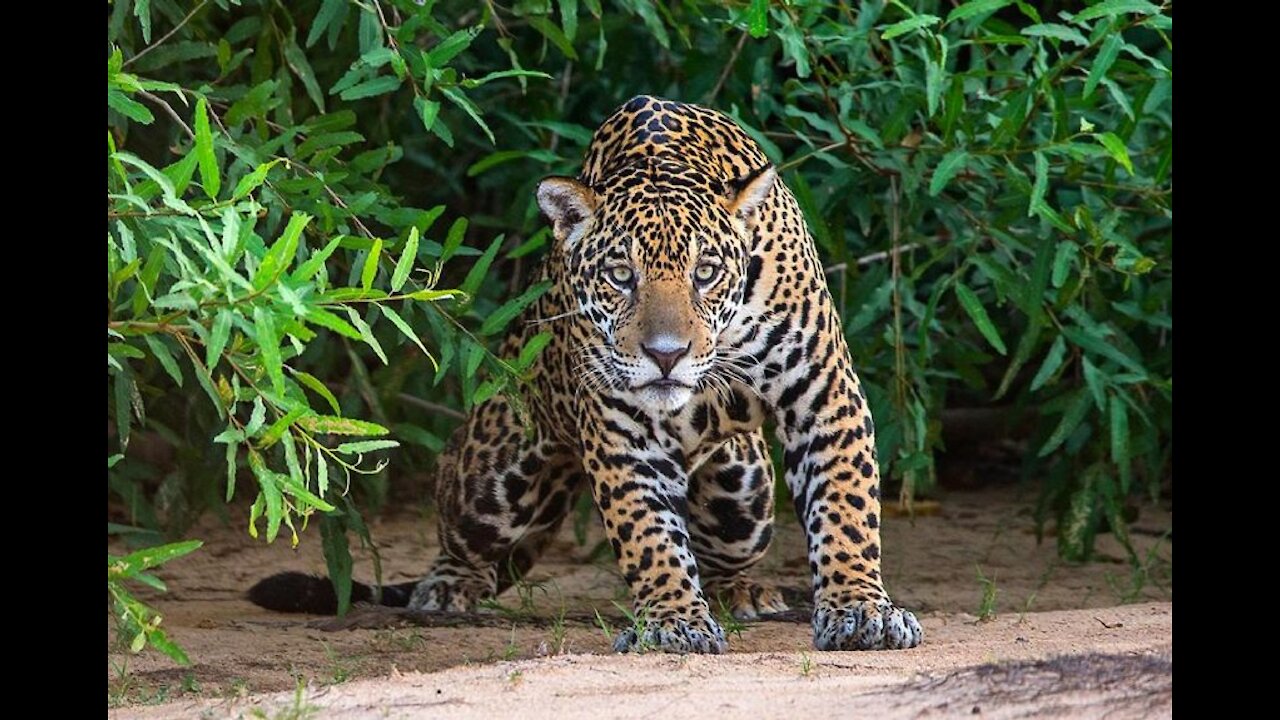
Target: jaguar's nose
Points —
{"points": [[666, 353]]}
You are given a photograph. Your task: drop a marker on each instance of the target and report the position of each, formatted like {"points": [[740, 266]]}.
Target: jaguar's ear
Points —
{"points": [[569, 205], [747, 193]]}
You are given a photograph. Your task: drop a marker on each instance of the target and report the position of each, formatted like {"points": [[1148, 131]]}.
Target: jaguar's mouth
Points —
{"points": [[664, 394], [666, 384]]}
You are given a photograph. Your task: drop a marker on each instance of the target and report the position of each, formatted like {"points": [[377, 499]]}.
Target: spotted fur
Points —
{"points": [[687, 306]]}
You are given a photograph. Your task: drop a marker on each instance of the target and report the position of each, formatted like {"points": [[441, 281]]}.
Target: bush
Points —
{"points": [[308, 203]]}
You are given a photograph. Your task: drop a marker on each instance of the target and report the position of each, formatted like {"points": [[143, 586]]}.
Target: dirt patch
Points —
{"points": [[977, 554]]}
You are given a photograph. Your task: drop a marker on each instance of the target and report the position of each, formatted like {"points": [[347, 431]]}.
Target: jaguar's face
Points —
{"points": [[658, 262]]}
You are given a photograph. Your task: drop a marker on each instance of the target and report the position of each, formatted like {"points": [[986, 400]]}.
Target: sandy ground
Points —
{"points": [[1081, 641]]}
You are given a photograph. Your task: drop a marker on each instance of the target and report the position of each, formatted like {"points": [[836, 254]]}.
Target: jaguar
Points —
{"points": [[688, 307]]}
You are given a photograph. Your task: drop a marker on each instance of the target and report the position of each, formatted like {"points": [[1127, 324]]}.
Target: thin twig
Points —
{"points": [[878, 256], [565, 80], [728, 68], [169, 110], [905, 495], [167, 35], [428, 405]]}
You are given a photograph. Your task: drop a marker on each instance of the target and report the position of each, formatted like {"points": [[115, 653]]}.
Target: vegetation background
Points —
{"points": [[321, 219]]}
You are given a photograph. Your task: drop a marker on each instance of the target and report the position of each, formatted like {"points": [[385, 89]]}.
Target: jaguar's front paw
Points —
{"points": [[676, 635], [866, 626]]}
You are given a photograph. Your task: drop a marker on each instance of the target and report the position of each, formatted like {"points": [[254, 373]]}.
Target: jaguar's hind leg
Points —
{"points": [[501, 495]]}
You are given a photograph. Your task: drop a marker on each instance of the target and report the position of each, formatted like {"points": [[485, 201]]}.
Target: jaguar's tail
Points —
{"points": [[295, 592]]}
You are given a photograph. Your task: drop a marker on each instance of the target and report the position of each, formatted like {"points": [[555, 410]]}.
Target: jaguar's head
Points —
{"points": [[657, 257]]}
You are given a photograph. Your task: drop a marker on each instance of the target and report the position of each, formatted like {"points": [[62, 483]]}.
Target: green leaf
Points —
{"points": [[123, 388], [1111, 8], [341, 295], [371, 264], [1095, 382], [408, 332], [477, 82], [1102, 63], [206, 383], [441, 130], [758, 18], [1115, 147], [430, 295], [282, 252], [499, 318], [329, 11], [130, 565], [476, 275], [129, 107], [256, 420], [405, 264], [1077, 526], [910, 24], [532, 347], [569, 18], [319, 388], [337, 558], [453, 241], [1062, 262], [300, 491], [419, 436], [427, 111], [251, 181], [166, 185], [380, 85], [951, 164], [209, 176], [165, 357], [1071, 418], [551, 32], [218, 336], [458, 98], [1120, 440], [645, 9], [282, 424], [976, 7], [1101, 347], [366, 334], [269, 347], [1021, 354], [497, 158], [365, 446], [1117, 94], [1041, 184], [370, 34], [315, 263], [973, 306], [449, 48], [331, 425], [142, 11], [297, 61], [232, 449], [268, 482], [1057, 32], [322, 474]]}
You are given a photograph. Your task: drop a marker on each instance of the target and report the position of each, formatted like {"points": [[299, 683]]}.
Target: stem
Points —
{"points": [[167, 35], [905, 496]]}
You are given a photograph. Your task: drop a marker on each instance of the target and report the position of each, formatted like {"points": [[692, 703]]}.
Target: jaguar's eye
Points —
{"points": [[706, 273], [622, 276]]}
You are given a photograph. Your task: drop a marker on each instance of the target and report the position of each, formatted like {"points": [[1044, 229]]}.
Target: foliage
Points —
{"points": [[321, 220], [139, 623]]}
